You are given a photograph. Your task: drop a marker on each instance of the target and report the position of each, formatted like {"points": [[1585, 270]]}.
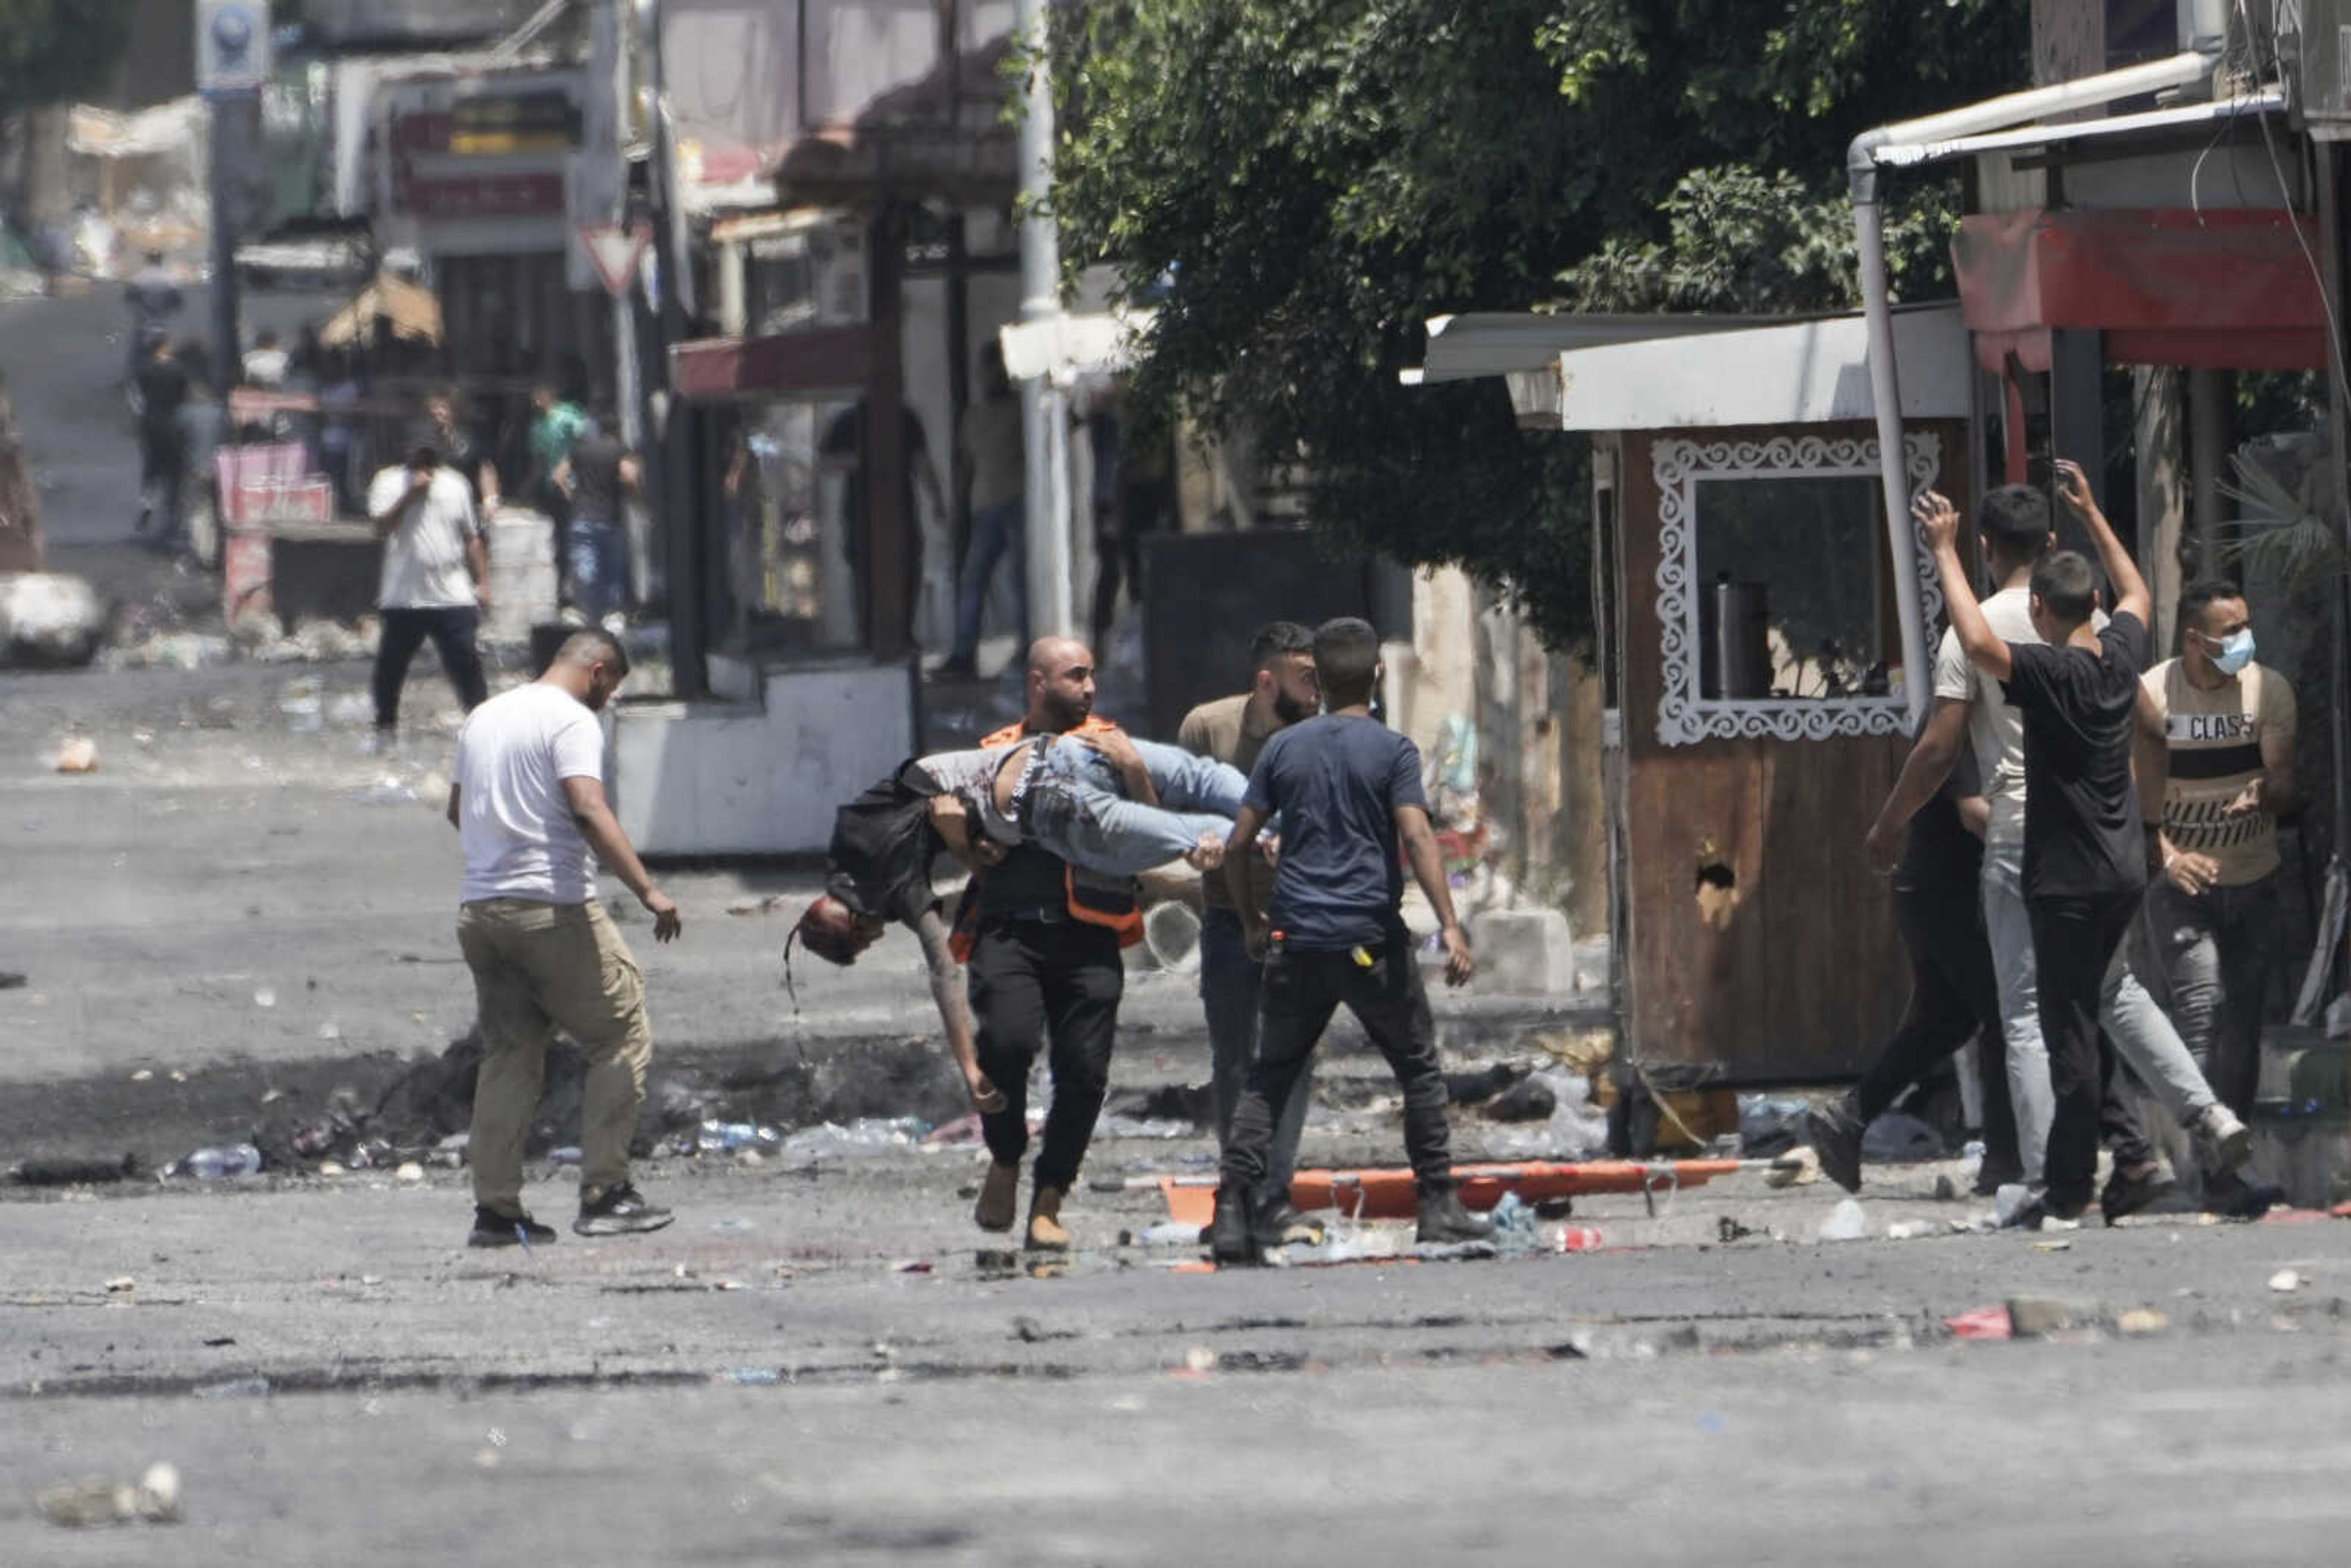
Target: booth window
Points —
{"points": [[1793, 580], [1776, 586]]}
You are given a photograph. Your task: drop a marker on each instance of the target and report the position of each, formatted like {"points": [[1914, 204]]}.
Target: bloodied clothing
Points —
{"points": [[2215, 741]]}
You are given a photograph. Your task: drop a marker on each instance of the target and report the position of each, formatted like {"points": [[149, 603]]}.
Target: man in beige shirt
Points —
{"points": [[2217, 762], [1235, 729]]}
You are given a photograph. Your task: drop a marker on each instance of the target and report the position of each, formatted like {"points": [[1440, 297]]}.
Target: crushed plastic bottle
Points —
{"points": [[1514, 1226], [2009, 1203], [216, 1165], [1847, 1222], [866, 1137], [725, 1138]]}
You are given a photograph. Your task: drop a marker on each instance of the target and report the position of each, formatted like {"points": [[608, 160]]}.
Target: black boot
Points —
{"points": [[1232, 1236], [1443, 1220]]}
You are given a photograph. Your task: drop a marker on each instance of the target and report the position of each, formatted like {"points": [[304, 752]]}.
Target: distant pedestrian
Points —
{"points": [[162, 382], [529, 803], [1234, 730], [558, 424], [1349, 794], [996, 461], [154, 300], [435, 582], [597, 477], [266, 362], [460, 447]]}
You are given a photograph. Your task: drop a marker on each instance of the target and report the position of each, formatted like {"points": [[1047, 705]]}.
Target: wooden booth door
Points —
{"points": [[1760, 947]]}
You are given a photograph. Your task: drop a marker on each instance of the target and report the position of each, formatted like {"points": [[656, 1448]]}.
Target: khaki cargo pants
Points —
{"points": [[537, 967]]}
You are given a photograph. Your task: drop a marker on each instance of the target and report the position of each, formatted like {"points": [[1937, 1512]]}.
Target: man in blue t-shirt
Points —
{"points": [[1348, 791]]}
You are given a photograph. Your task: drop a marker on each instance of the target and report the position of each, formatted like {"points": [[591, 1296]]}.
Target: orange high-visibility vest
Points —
{"points": [[1094, 902]]}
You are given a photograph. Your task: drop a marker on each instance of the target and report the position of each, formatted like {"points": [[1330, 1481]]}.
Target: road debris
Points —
{"points": [[2286, 1280], [2039, 1317], [69, 1172], [79, 755], [122, 1284], [155, 1499], [1847, 1222], [1982, 1323], [1798, 1168], [218, 1164], [2141, 1320]]}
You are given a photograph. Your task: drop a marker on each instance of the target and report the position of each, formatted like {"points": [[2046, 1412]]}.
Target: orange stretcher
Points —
{"points": [[1389, 1194]]}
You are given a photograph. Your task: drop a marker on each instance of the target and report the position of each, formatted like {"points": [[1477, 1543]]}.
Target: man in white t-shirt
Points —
{"points": [[2014, 525], [435, 582], [528, 802]]}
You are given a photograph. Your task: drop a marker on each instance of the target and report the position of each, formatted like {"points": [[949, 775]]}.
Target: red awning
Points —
{"points": [[2230, 290], [816, 362]]}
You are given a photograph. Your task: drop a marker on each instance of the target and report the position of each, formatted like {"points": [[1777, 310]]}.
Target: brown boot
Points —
{"points": [[1046, 1233], [997, 1195]]}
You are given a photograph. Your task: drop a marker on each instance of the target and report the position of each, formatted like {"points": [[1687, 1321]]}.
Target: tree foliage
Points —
{"points": [[1298, 185], [55, 51]]}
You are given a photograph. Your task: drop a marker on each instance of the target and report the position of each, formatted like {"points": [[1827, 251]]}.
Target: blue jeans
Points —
{"points": [[2142, 1035], [995, 532], [1230, 982], [1077, 812], [598, 554]]}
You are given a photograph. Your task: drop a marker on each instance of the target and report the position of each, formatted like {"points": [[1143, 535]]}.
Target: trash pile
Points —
{"points": [[260, 638], [800, 1115]]}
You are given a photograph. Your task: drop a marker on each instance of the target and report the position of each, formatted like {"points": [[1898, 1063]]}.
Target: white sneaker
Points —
{"points": [[2222, 1141]]}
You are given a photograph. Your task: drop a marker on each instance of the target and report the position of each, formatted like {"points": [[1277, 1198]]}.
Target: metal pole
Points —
{"points": [[1047, 520], [226, 143], [671, 433], [1886, 396]]}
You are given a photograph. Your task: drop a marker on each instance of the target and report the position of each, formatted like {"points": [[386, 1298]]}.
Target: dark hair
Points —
{"points": [[2065, 586], [2200, 595], [1276, 638], [1346, 657], [2015, 518], [593, 642], [827, 928]]}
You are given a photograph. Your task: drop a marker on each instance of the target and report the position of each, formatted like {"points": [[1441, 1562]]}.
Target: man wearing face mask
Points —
{"points": [[2216, 759], [529, 802]]}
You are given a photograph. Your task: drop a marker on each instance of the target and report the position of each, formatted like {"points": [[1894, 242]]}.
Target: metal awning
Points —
{"points": [[1668, 373], [1477, 344]]}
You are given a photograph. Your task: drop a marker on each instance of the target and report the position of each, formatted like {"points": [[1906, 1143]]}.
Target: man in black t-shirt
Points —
{"points": [[1349, 794], [2084, 856], [1954, 993], [595, 476]]}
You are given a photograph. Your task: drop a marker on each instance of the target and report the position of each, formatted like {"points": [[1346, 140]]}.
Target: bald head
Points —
{"points": [[591, 665], [1060, 683]]}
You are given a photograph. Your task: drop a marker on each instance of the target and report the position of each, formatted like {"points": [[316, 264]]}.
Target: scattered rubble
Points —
{"points": [[155, 1499]]}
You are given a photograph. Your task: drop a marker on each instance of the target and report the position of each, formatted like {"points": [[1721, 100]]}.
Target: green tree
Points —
{"points": [[1297, 184], [52, 51]]}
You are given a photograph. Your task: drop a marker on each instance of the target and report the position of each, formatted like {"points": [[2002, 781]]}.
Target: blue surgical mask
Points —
{"points": [[2233, 652]]}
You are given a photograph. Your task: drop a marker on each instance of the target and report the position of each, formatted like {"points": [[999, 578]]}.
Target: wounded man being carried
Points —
{"points": [[1103, 802]]}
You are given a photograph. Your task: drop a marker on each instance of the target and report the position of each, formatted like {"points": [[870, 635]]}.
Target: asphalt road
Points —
{"points": [[832, 1366]]}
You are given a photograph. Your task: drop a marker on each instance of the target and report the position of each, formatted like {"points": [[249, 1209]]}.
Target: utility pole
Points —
{"points": [[224, 324], [1042, 404], [671, 431], [232, 66]]}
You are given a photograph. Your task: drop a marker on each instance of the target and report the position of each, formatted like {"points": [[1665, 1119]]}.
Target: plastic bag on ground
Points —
{"points": [[1896, 1139], [1574, 1132], [860, 1139]]}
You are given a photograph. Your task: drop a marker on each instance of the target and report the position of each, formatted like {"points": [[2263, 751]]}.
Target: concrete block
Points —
{"points": [[1528, 951]]}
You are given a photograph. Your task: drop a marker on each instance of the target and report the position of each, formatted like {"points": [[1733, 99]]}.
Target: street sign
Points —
{"points": [[232, 46], [616, 251]]}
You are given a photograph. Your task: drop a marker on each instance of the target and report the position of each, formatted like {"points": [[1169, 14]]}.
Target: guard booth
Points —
{"points": [[1758, 677]]}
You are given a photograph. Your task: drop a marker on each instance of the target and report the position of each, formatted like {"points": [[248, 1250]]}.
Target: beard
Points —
{"points": [[1063, 714], [1293, 710]]}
